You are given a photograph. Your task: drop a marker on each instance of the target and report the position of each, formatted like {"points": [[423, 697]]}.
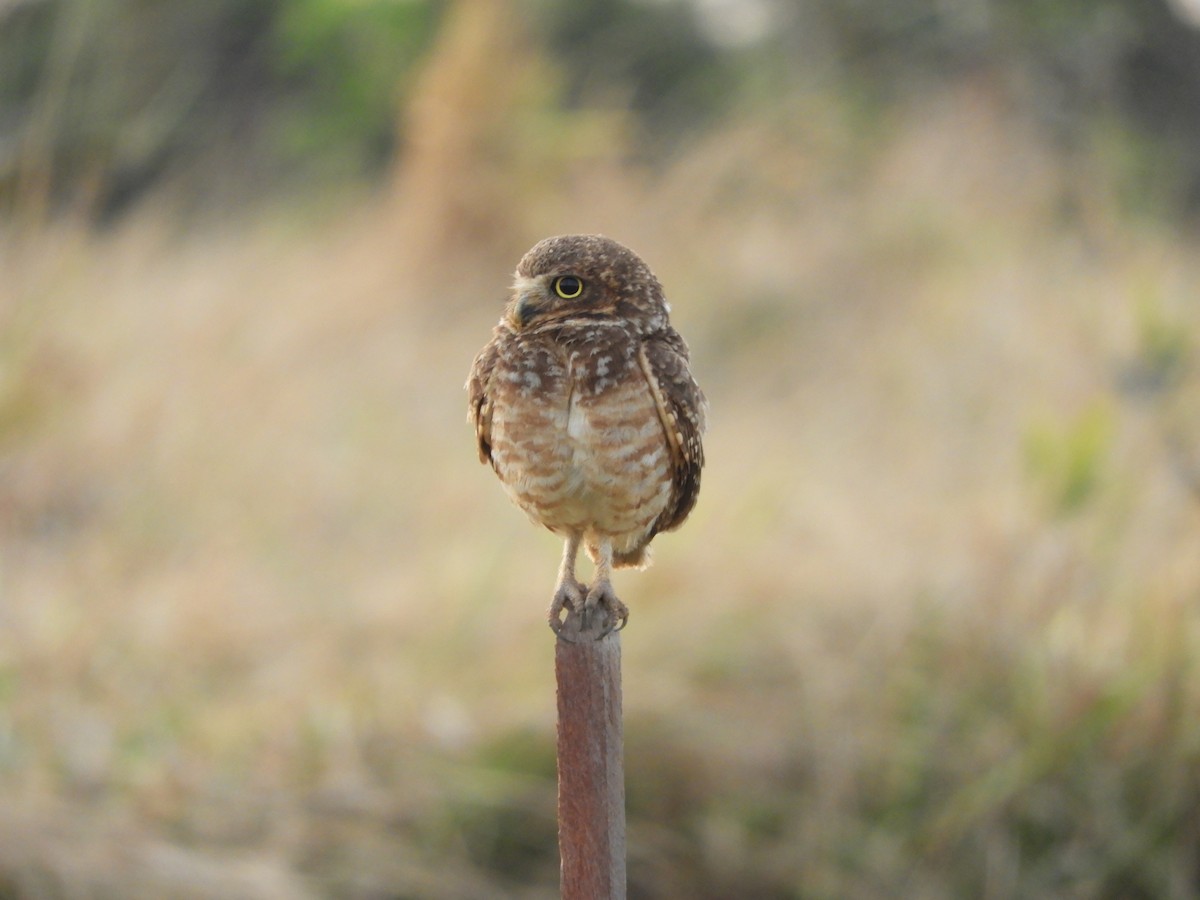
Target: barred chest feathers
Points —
{"points": [[576, 436]]}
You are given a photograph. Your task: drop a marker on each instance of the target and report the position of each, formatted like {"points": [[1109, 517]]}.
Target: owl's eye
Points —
{"points": [[568, 287]]}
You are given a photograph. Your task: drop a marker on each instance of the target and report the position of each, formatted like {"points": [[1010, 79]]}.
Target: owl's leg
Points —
{"points": [[601, 593], [569, 592]]}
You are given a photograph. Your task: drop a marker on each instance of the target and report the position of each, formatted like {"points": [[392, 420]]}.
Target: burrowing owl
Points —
{"points": [[584, 405]]}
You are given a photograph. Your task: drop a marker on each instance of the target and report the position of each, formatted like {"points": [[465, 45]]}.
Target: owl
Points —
{"points": [[584, 405]]}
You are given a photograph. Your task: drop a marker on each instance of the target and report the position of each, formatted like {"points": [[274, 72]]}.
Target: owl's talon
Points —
{"points": [[568, 596], [590, 614], [603, 597]]}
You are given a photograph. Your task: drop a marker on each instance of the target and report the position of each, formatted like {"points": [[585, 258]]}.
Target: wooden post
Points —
{"points": [[591, 770]]}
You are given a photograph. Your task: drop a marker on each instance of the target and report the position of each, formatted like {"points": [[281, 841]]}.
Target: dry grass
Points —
{"points": [[270, 631]]}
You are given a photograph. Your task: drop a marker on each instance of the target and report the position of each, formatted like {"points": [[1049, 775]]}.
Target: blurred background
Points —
{"points": [[269, 630]]}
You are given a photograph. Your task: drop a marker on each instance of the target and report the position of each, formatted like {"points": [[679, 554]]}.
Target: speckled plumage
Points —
{"points": [[587, 410]]}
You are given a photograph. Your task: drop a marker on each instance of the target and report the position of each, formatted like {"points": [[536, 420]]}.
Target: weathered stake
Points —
{"points": [[591, 771]]}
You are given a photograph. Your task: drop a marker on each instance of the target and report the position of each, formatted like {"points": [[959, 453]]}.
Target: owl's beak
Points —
{"points": [[523, 310]]}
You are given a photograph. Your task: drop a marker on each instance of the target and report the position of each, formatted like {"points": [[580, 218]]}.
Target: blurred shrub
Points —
{"points": [[1067, 459], [1164, 346], [1070, 64], [100, 99], [104, 97], [656, 58], [351, 59]]}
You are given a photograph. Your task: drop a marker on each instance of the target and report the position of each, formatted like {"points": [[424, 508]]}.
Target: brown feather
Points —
{"points": [[681, 408], [479, 404]]}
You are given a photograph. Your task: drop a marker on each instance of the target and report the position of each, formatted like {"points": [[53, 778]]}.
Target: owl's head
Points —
{"points": [[584, 277]]}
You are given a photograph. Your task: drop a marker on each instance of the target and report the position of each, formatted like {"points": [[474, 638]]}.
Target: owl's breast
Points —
{"points": [[577, 440]]}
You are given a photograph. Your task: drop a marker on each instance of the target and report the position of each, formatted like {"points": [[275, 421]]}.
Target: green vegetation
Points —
{"points": [[267, 629], [104, 101], [1069, 460]]}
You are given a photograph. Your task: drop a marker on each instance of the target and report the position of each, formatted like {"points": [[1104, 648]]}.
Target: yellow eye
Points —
{"points": [[568, 287]]}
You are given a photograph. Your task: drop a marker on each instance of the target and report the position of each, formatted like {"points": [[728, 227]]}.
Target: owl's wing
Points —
{"points": [[479, 401], [681, 408]]}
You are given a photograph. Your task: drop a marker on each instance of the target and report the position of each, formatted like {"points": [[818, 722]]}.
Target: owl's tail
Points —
{"points": [[637, 558]]}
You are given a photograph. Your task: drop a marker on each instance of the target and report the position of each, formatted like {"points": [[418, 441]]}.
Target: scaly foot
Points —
{"points": [[602, 599], [569, 595]]}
